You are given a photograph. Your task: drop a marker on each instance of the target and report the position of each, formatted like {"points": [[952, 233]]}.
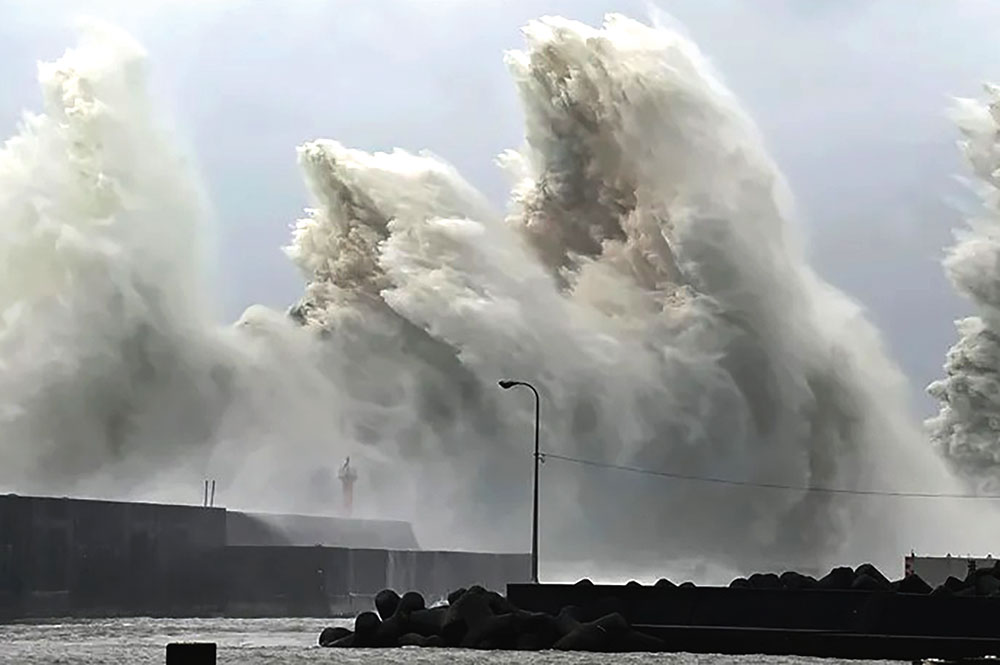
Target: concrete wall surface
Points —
{"points": [[863, 612], [77, 557], [71, 556]]}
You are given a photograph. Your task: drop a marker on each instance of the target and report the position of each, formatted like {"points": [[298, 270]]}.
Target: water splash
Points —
{"points": [[967, 428], [646, 278], [98, 274]]}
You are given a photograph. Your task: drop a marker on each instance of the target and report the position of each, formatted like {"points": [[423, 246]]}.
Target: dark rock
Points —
{"points": [[495, 632], [472, 609], [980, 579], [568, 620], [987, 585], [740, 583], [530, 622], [332, 634], [790, 580], [390, 631], [411, 602], [866, 582], [543, 627], [415, 640], [837, 579], [796, 581], [499, 604], [664, 583], [585, 582], [366, 623], [913, 584], [979, 572], [386, 602], [874, 573], [687, 585], [603, 635], [412, 640], [809, 582], [455, 595], [764, 581], [397, 625], [942, 590], [633, 584], [954, 584], [346, 642], [613, 624], [428, 622], [366, 628], [584, 638]]}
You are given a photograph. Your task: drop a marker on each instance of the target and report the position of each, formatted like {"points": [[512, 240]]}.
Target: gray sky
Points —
{"points": [[850, 95]]}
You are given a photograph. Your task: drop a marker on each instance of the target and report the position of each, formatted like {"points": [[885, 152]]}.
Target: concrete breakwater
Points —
{"points": [[74, 557], [848, 613]]}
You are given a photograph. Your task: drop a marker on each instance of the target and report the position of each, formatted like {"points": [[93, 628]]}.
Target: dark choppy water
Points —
{"points": [[140, 641]]}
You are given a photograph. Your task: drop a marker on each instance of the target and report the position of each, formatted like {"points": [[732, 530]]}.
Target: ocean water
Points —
{"points": [[142, 641]]}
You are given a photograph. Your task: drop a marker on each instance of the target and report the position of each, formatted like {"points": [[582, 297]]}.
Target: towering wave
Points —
{"points": [[967, 428], [114, 381], [98, 276], [646, 277]]}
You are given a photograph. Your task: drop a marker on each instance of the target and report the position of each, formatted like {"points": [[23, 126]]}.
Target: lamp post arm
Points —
{"points": [[534, 503]]}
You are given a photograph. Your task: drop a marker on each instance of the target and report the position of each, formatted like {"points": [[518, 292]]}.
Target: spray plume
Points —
{"points": [[646, 278], [967, 428]]}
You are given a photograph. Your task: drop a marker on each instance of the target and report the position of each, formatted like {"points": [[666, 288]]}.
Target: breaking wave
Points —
{"points": [[646, 277], [967, 428]]}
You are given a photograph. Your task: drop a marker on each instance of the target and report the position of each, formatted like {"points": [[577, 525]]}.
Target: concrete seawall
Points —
{"points": [[62, 557], [859, 612], [72, 557]]}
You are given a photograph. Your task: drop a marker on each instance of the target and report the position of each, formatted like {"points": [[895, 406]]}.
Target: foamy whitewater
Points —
{"points": [[647, 277], [967, 429]]}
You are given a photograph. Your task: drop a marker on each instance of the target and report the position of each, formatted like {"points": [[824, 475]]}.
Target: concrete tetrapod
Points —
{"points": [[479, 619]]}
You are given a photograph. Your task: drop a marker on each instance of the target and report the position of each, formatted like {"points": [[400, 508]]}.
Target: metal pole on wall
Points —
{"points": [[507, 385]]}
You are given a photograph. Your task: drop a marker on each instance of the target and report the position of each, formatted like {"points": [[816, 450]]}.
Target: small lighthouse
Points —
{"points": [[347, 477]]}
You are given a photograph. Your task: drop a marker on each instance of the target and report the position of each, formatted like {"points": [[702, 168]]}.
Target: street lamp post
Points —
{"points": [[507, 385]]}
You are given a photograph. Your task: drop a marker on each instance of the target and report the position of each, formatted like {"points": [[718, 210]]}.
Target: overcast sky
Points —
{"points": [[851, 97]]}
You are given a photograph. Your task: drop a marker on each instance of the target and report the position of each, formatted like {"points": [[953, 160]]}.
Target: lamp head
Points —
{"points": [[506, 384]]}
